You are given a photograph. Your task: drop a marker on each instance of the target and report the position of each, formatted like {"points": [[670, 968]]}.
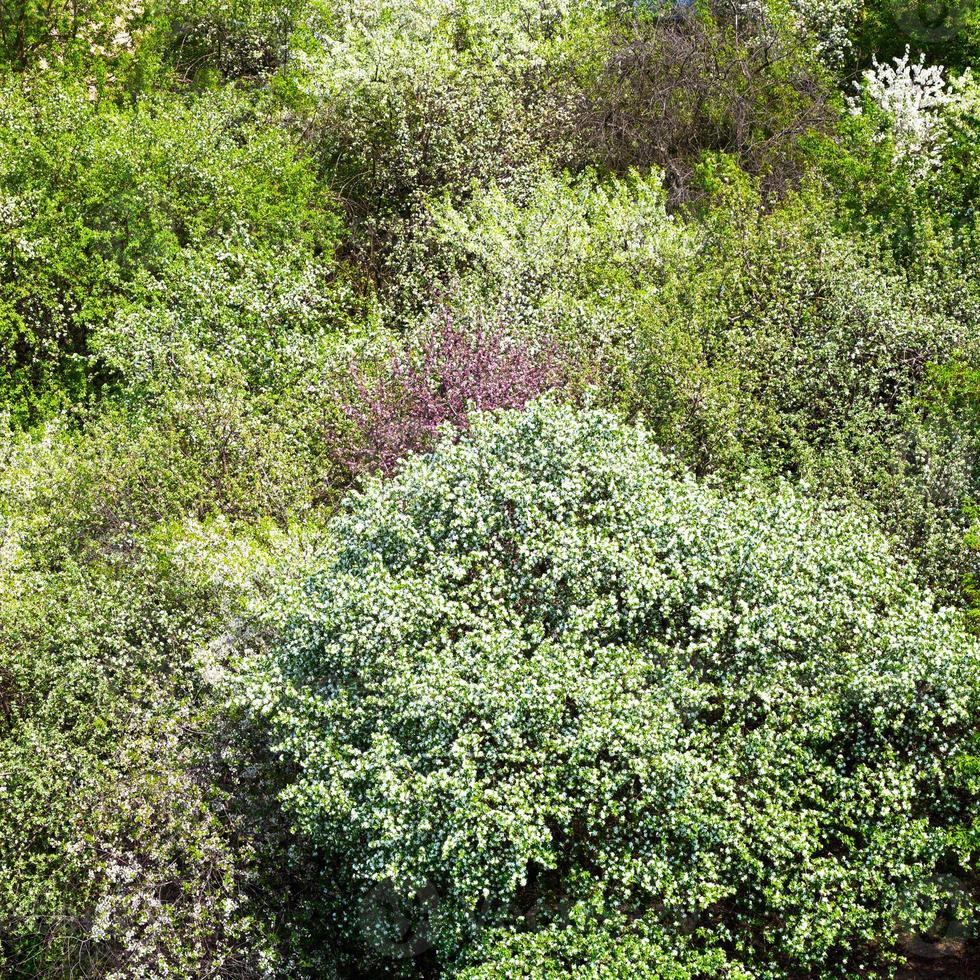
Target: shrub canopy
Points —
{"points": [[548, 691]]}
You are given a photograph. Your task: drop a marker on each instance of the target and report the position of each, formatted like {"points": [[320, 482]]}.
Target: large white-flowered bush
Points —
{"points": [[555, 708]]}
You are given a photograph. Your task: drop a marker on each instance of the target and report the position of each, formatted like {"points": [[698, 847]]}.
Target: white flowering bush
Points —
{"points": [[912, 95], [244, 38], [751, 338], [551, 703], [830, 23], [274, 314], [421, 98]]}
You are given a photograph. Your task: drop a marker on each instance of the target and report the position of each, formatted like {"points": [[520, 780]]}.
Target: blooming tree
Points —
{"points": [[913, 95]]}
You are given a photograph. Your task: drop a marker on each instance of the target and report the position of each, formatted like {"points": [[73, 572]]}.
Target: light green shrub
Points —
{"points": [[94, 198], [35, 33], [575, 255], [414, 99], [237, 362], [273, 313], [138, 822]]}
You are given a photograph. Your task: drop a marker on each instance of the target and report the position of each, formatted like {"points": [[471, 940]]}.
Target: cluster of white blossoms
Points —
{"points": [[829, 23], [914, 95]]}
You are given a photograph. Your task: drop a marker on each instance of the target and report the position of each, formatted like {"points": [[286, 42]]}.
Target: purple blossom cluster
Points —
{"points": [[457, 371]]}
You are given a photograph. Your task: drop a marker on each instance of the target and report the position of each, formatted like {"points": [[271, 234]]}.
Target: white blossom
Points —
{"points": [[913, 95]]}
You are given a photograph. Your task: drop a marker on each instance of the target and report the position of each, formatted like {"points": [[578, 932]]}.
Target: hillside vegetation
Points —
{"points": [[488, 490]]}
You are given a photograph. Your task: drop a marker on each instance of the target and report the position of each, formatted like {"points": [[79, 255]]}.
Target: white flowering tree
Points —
{"points": [[829, 23], [913, 97], [551, 704]]}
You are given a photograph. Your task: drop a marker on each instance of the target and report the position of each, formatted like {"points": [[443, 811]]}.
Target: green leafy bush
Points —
{"points": [[577, 258], [549, 692], [209, 41], [416, 99], [33, 32], [95, 197]]}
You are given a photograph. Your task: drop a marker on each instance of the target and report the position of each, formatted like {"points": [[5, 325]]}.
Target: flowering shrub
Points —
{"points": [[831, 24], [248, 38], [32, 32], [912, 95], [274, 314], [553, 699], [97, 199], [422, 98], [135, 820], [455, 373], [750, 338], [577, 259]]}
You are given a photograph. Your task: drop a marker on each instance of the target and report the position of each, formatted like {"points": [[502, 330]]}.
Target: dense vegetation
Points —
{"points": [[488, 490]]}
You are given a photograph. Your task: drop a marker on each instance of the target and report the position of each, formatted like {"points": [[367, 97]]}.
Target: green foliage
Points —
{"points": [[588, 717], [138, 46], [562, 256], [133, 834], [270, 312], [747, 339], [96, 197], [948, 33], [951, 406], [211, 41], [542, 678], [35, 30], [599, 946], [414, 99]]}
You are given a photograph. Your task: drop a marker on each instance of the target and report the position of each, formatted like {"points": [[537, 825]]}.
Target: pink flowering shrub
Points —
{"points": [[456, 372]]}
